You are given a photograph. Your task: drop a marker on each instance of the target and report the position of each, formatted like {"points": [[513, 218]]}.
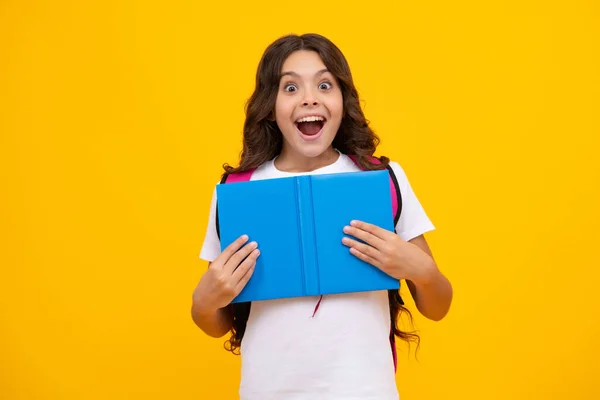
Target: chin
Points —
{"points": [[312, 149], [314, 152]]}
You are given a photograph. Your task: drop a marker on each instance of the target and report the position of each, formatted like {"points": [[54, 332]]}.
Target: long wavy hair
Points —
{"points": [[263, 141]]}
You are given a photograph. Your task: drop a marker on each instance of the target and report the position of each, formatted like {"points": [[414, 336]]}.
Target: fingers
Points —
{"points": [[363, 249], [374, 230], [365, 236], [233, 248], [244, 272], [366, 258], [235, 260]]}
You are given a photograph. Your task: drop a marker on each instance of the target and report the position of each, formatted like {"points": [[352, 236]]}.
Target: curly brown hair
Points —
{"points": [[263, 141]]}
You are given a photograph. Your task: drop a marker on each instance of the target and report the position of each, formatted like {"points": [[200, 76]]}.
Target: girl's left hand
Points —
{"points": [[388, 252]]}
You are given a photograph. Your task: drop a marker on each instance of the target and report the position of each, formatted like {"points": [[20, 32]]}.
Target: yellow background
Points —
{"points": [[115, 118]]}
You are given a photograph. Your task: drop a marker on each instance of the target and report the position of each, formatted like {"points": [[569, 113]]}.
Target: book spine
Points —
{"points": [[298, 215], [307, 232]]}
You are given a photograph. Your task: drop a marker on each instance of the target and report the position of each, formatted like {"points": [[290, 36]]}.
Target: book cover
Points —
{"points": [[298, 224]]}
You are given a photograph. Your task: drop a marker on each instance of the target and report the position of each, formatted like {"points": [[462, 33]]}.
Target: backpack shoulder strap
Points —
{"points": [[243, 176], [397, 209], [394, 188]]}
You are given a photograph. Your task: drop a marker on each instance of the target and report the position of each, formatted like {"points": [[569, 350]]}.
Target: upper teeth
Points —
{"points": [[310, 119]]}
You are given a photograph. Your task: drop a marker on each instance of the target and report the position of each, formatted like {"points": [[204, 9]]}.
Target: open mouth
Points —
{"points": [[311, 127]]}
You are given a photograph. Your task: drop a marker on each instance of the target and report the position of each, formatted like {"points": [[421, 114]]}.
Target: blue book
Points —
{"points": [[298, 224]]}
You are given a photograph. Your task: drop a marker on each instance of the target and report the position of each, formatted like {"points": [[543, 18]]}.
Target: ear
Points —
{"points": [[271, 116]]}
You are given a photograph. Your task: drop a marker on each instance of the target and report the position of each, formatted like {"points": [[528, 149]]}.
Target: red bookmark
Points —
{"points": [[317, 306]]}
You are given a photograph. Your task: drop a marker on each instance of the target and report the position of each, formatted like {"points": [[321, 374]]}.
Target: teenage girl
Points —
{"points": [[304, 117]]}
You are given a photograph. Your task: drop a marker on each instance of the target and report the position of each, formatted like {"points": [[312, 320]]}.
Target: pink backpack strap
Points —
{"points": [[243, 176], [396, 209], [394, 188]]}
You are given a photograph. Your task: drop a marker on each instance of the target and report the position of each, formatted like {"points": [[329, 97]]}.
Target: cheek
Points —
{"points": [[338, 105], [283, 108], [283, 115]]}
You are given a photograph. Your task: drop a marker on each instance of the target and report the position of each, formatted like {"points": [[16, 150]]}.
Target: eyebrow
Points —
{"points": [[292, 73]]}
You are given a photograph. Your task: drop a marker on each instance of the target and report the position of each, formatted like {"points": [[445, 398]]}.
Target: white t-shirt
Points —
{"points": [[343, 352]]}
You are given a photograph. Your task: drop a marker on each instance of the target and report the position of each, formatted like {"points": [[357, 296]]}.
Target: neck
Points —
{"points": [[290, 162]]}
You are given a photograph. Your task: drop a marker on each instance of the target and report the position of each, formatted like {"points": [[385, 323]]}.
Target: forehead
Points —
{"points": [[303, 62]]}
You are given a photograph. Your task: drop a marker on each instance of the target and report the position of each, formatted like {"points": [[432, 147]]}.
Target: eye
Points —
{"points": [[289, 87], [325, 85]]}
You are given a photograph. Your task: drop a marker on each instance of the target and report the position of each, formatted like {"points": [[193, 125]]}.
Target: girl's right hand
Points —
{"points": [[226, 276]]}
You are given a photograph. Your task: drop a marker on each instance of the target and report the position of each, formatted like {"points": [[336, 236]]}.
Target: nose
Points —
{"points": [[310, 99]]}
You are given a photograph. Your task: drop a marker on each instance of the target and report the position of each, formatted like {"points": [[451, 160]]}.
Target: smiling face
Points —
{"points": [[308, 109]]}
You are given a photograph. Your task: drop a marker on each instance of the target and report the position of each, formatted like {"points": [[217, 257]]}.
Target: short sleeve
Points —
{"points": [[211, 247], [413, 218]]}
